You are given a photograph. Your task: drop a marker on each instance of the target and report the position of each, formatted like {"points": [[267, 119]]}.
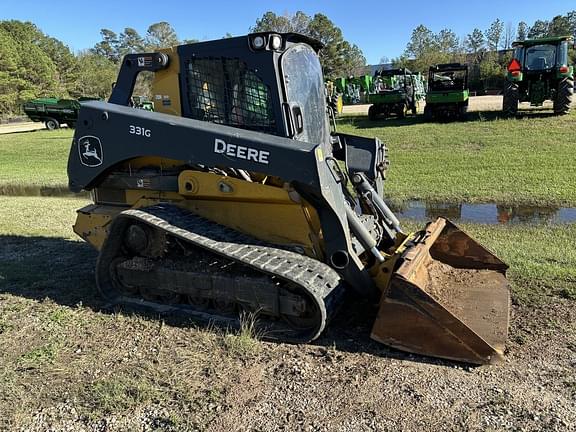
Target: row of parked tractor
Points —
{"points": [[538, 72]]}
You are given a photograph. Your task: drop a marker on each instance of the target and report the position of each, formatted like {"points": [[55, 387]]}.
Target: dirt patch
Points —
{"points": [[21, 127], [338, 386], [479, 298], [68, 364], [477, 103]]}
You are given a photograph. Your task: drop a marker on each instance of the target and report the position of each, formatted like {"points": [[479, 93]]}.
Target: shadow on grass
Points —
{"points": [[362, 121], [48, 267], [61, 270], [58, 269]]}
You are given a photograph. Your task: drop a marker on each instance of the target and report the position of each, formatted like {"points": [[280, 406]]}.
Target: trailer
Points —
{"points": [[53, 112]]}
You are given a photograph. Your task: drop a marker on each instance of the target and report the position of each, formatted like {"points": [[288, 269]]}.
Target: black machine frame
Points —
{"points": [[311, 168]]}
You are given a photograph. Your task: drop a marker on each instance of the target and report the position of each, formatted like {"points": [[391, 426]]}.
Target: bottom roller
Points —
{"points": [[449, 298]]}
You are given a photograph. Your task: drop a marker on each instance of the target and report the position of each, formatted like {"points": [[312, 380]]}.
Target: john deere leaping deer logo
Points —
{"points": [[90, 150]]}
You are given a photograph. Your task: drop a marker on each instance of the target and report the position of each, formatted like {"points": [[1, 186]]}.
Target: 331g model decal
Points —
{"points": [[241, 152], [138, 130]]}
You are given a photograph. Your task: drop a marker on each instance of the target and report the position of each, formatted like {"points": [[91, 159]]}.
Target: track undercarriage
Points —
{"points": [[167, 259]]}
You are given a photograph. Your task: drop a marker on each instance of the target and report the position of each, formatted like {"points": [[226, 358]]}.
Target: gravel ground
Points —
{"points": [[362, 386], [21, 127], [477, 103], [346, 382]]}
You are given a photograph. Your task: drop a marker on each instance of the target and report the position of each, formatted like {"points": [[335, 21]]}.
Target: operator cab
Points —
{"points": [[448, 77], [266, 82], [542, 55]]}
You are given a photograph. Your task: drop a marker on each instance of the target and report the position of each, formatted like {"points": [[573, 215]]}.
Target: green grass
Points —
{"points": [[529, 160], [243, 342], [34, 216], [120, 393], [34, 158]]}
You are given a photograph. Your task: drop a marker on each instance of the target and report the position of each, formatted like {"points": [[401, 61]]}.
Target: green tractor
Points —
{"points": [[142, 102], [448, 94], [353, 89], [395, 91], [538, 72]]}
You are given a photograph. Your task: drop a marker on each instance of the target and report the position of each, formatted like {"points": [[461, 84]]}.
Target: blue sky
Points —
{"points": [[377, 28]]}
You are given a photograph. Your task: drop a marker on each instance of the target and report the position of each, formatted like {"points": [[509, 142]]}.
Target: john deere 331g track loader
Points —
{"points": [[234, 195]]}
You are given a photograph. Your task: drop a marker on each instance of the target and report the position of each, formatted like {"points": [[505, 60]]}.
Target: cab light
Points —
{"points": [[258, 42], [275, 42]]}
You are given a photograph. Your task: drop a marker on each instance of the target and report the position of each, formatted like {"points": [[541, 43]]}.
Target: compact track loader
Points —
{"points": [[234, 195]]}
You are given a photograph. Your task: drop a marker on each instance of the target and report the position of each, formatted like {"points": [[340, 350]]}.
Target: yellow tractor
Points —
{"points": [[234, 195]]}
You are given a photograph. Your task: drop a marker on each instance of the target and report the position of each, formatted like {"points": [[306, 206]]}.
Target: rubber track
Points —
{"points": [[321, 282]]}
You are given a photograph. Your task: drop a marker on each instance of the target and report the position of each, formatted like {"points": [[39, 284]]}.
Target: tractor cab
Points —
{"points": [[387, 80], [395, 92], [541, 55], [448, 77]]}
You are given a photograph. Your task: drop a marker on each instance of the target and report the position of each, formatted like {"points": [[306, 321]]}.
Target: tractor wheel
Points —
{"points": [[372, 113], [511, 99], [401, 113], [463, 112], [564, 96], [52, 124], [428, 113]]}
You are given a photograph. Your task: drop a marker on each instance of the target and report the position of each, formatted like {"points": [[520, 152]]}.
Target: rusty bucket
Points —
{"points": [[448, 298]]}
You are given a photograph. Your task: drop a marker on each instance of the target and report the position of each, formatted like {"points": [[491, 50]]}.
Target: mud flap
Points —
{"points": [[449, 298]]}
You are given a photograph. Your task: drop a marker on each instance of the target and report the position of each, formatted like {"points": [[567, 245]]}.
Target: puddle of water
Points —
{"points": [[486, 213], [417, 210], [40, 191]]}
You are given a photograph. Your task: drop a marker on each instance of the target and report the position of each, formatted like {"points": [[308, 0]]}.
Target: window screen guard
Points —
{"points": [[225, 91]]}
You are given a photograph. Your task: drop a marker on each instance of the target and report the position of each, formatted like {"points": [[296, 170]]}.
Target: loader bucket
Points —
{"points": [[449, 298]]}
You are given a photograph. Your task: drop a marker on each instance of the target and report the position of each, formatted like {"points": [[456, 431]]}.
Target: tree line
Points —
{"points": [[486, 51], [338, 57], [33, 64]]}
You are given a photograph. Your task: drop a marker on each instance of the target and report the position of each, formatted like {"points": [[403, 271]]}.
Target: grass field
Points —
{"points": [[34, 159], [529, 160]]}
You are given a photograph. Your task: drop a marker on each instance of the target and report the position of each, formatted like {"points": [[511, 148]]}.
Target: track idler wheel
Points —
{"points": [[117, 281]]}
